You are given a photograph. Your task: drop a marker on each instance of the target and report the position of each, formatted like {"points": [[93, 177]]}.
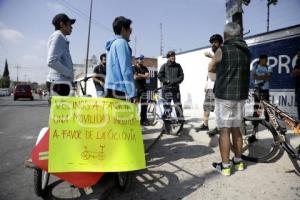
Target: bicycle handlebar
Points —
{"points": [[169, 86], [85, 79]]}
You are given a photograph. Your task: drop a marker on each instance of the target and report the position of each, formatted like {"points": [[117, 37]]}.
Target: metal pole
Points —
{"points": [[88, 46], [17, 73], [268, 17]]}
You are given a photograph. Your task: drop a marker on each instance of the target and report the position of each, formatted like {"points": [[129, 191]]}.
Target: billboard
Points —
{"points": [[282, 56]]}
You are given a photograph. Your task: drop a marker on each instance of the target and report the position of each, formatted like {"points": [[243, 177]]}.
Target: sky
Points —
{"points": [[25, 27]]}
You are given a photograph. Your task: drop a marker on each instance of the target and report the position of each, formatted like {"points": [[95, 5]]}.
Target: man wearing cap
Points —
{"points": [[171, 75], [59, 59], [141, 74]]}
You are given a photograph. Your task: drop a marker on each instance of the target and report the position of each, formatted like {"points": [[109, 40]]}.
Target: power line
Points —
{"points": [[85, 16]]}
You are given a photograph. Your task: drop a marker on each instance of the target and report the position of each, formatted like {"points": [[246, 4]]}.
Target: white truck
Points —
{"points": [[281, 47]]}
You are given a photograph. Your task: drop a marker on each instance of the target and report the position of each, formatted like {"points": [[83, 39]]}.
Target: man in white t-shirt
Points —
{"points": [[261, 74]]}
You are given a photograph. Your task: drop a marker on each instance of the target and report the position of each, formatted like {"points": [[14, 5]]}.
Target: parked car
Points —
{"points": [[23, 91], [4, 92]]}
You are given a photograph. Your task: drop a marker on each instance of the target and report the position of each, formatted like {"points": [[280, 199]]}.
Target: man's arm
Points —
{"points": [[208, 54], [55, 52], [98, 76], [124, 57], [143, 76], [95, 78], [212, 66], [162, 75], [180, 77], [265, 77]]}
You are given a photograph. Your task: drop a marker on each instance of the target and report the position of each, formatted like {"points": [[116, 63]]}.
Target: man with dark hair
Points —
{"points": [[119, 82], [216, 41], [99, 76], [261, 75], [231, 63], [296, 76], [59, 59], [141, 74], [171, 75]]}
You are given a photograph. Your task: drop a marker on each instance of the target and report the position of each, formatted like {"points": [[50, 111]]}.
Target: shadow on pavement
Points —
{"points": [[161, 185]]}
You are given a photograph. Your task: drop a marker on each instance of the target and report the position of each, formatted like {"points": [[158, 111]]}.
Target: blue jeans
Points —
{"points": [[100, 93]]}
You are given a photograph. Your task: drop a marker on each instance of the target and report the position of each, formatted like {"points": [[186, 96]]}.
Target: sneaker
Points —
{"points": [[238, 166], [203, 127], [213, 132], [225, 171]]}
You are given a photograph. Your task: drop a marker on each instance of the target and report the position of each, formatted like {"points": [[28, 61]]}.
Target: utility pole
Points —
{"points": [[17, 73], [234, 12], [18, 67], [135, 44], [161, 41], [88, 46]]}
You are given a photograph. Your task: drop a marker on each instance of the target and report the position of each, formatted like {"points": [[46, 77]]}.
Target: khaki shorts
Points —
{"points": [[209, 101], [229, 113]]}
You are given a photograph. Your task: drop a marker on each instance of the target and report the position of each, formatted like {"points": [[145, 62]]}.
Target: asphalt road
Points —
{"points": [[178, 167], [20, 123]]}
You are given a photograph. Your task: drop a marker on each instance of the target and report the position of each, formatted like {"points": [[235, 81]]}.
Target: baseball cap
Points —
{"points": [[140, 57], [62, 18]]}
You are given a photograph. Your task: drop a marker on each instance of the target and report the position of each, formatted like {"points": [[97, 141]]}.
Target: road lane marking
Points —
{"points": [[29, 137]]}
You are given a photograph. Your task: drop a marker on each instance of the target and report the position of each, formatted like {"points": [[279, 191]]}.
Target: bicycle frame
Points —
{"points": [[278, 143], [292, 123], [161, 102], [171, 123]]}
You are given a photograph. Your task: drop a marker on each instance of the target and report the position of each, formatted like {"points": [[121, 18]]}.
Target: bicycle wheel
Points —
{"points": [[40, 181], [124, 180], [259, 144], [173, 125], [151, 113]]}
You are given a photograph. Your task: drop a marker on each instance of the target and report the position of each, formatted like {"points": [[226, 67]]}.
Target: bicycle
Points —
{"points": [[166, 119], [41, 176], [267, 140]]}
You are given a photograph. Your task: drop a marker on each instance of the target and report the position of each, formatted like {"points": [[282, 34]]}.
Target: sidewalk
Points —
{"points": [[179, 167]]}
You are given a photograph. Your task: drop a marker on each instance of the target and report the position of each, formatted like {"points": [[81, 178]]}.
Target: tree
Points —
{"points": [[5, 80]]}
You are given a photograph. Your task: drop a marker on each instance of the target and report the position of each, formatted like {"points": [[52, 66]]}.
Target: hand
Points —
{"points": [[208, 54]]}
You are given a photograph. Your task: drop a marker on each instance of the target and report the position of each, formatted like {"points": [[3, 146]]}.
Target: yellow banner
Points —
{"points": [[94, 135]]}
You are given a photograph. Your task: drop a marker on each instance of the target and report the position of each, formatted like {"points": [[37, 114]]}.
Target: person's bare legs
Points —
{"points": [[237, 141], [205, 118], [224, 143]]}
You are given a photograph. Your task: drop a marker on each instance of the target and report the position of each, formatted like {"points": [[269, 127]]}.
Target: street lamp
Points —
{"points": [[274, 2]]}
